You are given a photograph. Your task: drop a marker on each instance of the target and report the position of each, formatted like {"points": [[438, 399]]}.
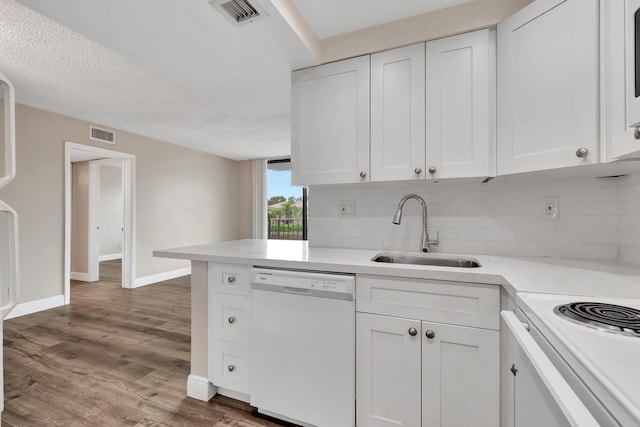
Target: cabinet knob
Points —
{"points": [[432, 170], [231, 279], [231, 368], [582, 152], [363, 174], [430, 334], [231, 320], [636, 133], [413, 332], [418, 171]]}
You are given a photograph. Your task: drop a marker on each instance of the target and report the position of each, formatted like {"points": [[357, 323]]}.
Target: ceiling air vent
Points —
{"points": [[239, 12], [102, 135]]}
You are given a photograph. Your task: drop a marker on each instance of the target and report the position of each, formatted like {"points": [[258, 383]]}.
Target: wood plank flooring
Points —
{"points": [[113, 357]]}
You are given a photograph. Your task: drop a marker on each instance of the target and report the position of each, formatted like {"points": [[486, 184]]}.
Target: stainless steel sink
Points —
{"points": [[426, 260]]}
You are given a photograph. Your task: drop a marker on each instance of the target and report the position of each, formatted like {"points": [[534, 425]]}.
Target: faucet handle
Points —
{"points": [[437, 241]]}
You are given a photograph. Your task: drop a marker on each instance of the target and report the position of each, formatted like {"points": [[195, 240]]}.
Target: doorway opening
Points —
{"points": [[98, 236]]}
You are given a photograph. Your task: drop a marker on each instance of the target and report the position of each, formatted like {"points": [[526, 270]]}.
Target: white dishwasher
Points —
{"points": [[302, 358]]}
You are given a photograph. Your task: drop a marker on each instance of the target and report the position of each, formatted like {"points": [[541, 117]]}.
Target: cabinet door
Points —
{"points": [[460, 376], [387, 371], [330, 123], [621, 85], [539, 394], [548, 91], [398, 114], [460, 78]]}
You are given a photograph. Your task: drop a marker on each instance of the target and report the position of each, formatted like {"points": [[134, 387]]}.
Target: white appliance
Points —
{"points": [[302, 358], [8, 217], [595, 345]]}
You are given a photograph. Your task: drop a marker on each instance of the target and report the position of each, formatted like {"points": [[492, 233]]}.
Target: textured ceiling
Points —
{"points": [[178, 71], [172, 70], [330, 18]]}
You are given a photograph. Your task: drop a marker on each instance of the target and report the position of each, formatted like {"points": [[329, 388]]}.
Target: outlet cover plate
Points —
{"points": [[550, 208], [347, 209]]}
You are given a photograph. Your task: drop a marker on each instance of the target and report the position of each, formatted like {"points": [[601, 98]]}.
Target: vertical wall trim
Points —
{"points": [[259, 196]]}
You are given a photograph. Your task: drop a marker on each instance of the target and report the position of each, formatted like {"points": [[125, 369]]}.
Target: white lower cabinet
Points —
{"points": [[388, 367], [425, 371], [229, 328], [460, 376]]}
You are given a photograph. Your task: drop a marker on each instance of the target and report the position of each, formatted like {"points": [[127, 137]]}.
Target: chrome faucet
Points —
{"points": [[426, 243]]}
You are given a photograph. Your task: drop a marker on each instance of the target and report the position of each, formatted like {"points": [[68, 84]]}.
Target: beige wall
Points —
{"points": [[244, 177], [111, 214], [183, 197], [80, 217]]}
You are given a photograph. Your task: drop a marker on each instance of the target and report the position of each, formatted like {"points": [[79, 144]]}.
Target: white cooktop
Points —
{"points": [[608, 363]]}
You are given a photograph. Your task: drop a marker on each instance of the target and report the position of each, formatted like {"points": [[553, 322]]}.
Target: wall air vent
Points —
{"points": [[102, 135], [239, 12]]}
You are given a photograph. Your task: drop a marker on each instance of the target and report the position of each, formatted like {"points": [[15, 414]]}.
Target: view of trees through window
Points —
{"points": [[284, 206]]}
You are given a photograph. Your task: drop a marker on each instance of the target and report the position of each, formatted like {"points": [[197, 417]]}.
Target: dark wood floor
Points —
{"points": [[113, 357]]}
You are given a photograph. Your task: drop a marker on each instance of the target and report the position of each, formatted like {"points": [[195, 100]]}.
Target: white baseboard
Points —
{"points": [[155, 278], [35, 306], [200, 388], [83, 277], [110, 257]]}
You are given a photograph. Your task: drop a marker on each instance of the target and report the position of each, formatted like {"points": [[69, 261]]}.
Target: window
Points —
{"points": [[286, 204]]}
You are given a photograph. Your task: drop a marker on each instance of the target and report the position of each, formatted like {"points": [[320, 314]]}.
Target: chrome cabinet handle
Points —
{"points": [[413, 332], [231, 320], [418, 171], [231, 279], [363, 174], [231, 368], [432, 170], [582, 152], [430, 334]]}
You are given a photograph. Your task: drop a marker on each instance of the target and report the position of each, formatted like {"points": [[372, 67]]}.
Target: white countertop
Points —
{"points": [[598, 278]]}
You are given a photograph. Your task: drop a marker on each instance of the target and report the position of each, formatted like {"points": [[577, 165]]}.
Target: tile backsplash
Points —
{"points": [[629, 218], [598, 217]]}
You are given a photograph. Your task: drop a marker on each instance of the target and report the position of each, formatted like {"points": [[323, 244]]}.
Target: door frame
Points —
{"points": [[129, 204]]}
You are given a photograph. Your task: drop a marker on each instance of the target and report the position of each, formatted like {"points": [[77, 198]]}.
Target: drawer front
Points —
{"points": [[457, 303], [229, 365], [229, 317], [232, 279]]}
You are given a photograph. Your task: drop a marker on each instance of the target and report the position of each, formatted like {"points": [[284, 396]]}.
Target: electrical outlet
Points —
{"points": [[347, 208], [550, 208]]}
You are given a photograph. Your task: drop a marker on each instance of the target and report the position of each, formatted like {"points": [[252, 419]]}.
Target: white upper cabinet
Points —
{"points": [[330, 123], [622, 80], [548, 86], [398, 114], [460, 83]]}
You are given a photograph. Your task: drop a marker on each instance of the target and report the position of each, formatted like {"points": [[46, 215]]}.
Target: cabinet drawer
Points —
{"points": [[458, 303], [232, 279], [229, 365], [229, 317]]}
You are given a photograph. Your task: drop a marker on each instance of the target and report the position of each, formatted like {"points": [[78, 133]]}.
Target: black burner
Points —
{"points": [[606, 317]]}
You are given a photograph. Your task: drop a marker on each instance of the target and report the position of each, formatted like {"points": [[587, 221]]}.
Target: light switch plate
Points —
{"points": [[347, 208], [550, 208]]}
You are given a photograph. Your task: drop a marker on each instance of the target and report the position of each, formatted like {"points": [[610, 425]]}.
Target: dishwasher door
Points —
{"points": [[302, 359]]}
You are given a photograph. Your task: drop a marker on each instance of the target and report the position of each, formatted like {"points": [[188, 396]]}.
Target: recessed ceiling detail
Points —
{"points": [[330, 18]]}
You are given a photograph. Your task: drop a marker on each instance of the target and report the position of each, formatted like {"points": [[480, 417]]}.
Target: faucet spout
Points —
{"points": [[397, 218]]}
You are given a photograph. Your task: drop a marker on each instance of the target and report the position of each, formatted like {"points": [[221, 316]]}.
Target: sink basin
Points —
{"points": [[426, 260]]}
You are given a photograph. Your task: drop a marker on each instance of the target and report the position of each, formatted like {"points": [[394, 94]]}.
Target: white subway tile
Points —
{"points": [[601, 237]]}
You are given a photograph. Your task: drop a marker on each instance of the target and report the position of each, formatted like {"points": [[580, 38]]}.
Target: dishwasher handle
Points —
{"points": [[344, 296]]}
